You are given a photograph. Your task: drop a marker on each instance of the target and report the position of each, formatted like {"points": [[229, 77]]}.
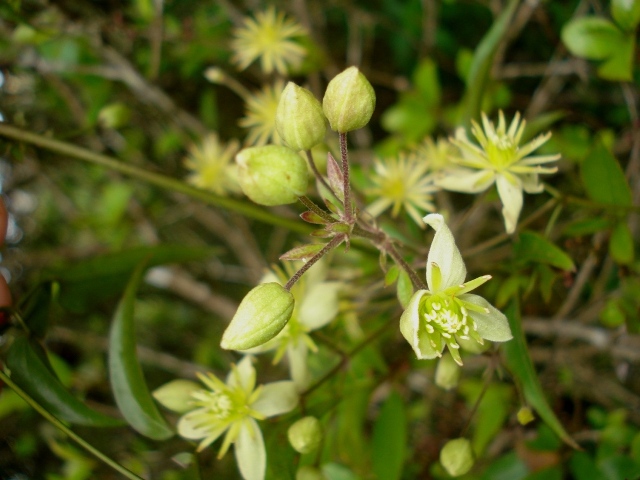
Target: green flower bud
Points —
{"points": [[349, 101], [299, 118], [114, 115], [261, 315], [457, 457], [272, 175], [305, 435], [308, 472], [525, 415], [176, 395], [447, 372]]}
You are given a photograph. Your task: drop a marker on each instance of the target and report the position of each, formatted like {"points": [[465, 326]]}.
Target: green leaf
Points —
{"points": [[35, 308], [621, 244], [405, 288], [603, 178], [303, 252], [389, 442], [626, 13], [619, 66], [519, 363], [129, 387], [392, 275], [34, 376], [95, 280], [533, 248], [594, 38], [483, 60], [587, 226]]}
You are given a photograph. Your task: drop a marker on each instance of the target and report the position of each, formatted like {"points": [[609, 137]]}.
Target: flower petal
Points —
{"points": [[251, 455], [320, 305], [445, 254], [176, 395], [276, 398], [243, 375], [511, 197], [493, 325], [465, 180], [198, 424], [297, 357], [417, 337]]}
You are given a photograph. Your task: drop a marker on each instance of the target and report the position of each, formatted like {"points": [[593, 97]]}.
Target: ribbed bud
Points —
{"points": [[457, 457], [299, 118], [349, 101], [447, 372], [263, 312], [308, 472], [272, 175], [305, 435]]}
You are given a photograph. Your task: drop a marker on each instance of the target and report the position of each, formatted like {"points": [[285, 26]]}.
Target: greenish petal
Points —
{"points": [[410, 320], [243, 375], [276, 398], [493, 325], [250, 452], [445, 254], [176, 395]]}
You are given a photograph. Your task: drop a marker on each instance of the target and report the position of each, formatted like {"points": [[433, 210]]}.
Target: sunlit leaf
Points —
{"points": [[595, 38], [389, 442], [603, 178], [621, 244]]}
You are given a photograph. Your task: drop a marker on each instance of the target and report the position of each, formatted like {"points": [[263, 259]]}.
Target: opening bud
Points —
{"points": [[349, 101], [263, 312], [272, 175], [305, 435], [447, 372], [457, 457], [299, 118]]}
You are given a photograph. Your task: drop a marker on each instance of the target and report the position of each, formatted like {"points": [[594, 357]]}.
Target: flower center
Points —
{"points": [[220, 404], [501, 150], [447, 316]]}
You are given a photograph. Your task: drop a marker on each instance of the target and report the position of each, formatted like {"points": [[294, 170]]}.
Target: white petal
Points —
{"points": [[492, 326], [251, 455], [531, 183], [297, 357], [320, 305], [465, 180], [243, 375], [197, 424], [511, 196], [176, 395], [410, 321], [276, 398], [445, 253]]}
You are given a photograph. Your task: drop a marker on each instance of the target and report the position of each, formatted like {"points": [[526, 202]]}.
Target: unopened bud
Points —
{"points": [[525, 415], [272, 175], [349, 101], [263, 312], [447, 372], [299, 118], [305, 435], [457, 457]]}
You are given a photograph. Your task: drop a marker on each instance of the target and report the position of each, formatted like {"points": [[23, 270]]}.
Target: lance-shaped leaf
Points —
{"points": [[127, 380], [303, 252], [520, 364], [311, 217], [336, 179], [533, 248], [33, 375]]}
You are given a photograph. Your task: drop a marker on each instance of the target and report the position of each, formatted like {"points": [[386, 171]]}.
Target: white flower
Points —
{"points": [[316, 304], [232, 407], [499, 159], [437, 317]]}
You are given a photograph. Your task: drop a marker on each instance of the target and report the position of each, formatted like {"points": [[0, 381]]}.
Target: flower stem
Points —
{"points": [[157, 179], [415, 279], [335, 241], [348, 211], [57, 423], [317, 174]]}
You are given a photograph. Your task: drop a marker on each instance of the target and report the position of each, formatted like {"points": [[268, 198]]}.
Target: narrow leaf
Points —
{"points": [[33, 375], [336, 180], [405, 288], [389, 441], [621, 244], [533, 248], [519, 363], [311, 217], [129, 387], [303, 252], [391, 276], [603, 178]]}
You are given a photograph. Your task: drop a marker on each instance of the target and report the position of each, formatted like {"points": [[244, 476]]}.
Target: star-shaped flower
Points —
{"points": [[260, 115], [212, 166], [499, 159], [437, 317], [232, 407], [269, 38]]}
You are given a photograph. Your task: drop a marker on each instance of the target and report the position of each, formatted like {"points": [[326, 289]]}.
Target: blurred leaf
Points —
{"points": [[594, 38], [619, 467], [392, 275], [35, 308], [127, 380], [335, 471], [587, 226], [34, 376], [483, 60], [533, 248], [584, 468], [91, 281], [603, 178], [521, 366], [626, 13], [388, 445], [405, 288], [621, 244], [547, 278], [507, 467], [612, 315], [619, 66]]}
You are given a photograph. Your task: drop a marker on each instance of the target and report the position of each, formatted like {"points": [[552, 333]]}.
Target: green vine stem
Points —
{"points": [[75, 437], [157, 179]]}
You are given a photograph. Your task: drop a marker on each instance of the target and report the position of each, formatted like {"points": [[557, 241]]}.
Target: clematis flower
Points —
{"points": [[316, 304], [212, 167], [260, 115], [232, 407], [437, 317], [501, 160]]}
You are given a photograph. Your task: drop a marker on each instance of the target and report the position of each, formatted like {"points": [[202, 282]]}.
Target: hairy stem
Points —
{"points": [[335, 241], [348, 211], [317, 174]]}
